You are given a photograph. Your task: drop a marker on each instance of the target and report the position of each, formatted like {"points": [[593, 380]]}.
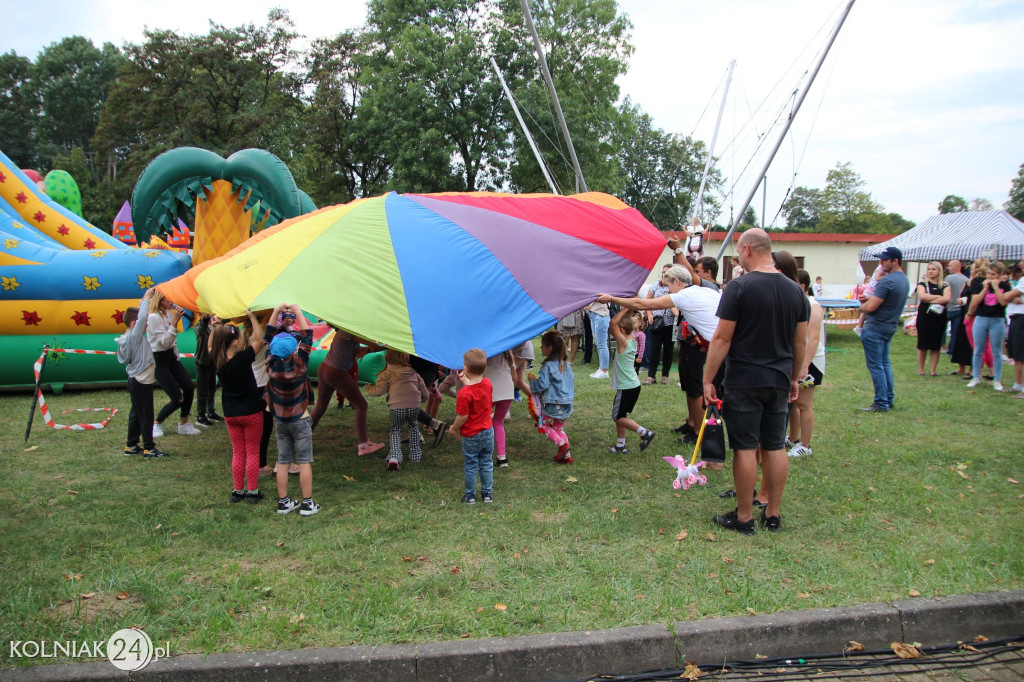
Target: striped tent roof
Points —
{"points": [[965, 236]]}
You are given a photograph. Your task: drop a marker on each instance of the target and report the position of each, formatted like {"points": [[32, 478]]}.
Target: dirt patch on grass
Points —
{"points": [[549, 517], [87, 610]]}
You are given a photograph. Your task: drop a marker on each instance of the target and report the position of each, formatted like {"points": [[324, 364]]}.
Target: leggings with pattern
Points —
{"points": [[554, 430], [245, 433], [405, 416]]}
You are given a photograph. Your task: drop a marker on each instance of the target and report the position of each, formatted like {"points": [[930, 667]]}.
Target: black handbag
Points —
{"points": [[712, 449]]}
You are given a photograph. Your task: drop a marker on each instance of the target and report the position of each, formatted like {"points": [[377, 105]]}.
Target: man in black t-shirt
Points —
{"points": [[761, 337]]}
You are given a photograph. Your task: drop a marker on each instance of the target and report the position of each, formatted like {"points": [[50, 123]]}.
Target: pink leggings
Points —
{"points": [[553, 429], [245, 433], [987, 358], [500, 410], [329, 379]]}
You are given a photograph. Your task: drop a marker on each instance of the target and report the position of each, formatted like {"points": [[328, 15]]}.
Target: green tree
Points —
{"points": [[952, 204], [899, 223], [662, 171], [429, 101], [586, 45], [847, 207], [749, 217], [339, 161], [802, 209], [19, 109], [980, 204], [1015, 206]]}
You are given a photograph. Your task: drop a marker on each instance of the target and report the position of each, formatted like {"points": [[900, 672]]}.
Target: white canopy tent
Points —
{"points": [[964, 236]]}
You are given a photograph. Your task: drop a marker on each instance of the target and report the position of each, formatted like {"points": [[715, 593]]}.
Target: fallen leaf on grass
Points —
{"points": [[968, 647], [280, 544], [691, 671], [854, 646], [480, 609], [464, 635], [87, 595], [980, 638], [572, 479], [455, 570], [682, 535], [407, 558], [500, 607], [914, 593], [517, 555], [804, 595], [349, 479], [929, 561], [34, 447], [159, 526], [176, 533], [1013, 481], [751, 611], [710, 537], [295, 619], [645, 476], [712, 575], [58, 476], [72, 492], [122, 595], [905, 650], [615, 511], [728, 560], [962, 474]]}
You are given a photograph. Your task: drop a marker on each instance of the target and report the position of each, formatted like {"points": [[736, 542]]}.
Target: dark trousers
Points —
{"points": [[140, 419], [588, 340], [175, 382], [206, 389], [956, 320], [662, 346]]}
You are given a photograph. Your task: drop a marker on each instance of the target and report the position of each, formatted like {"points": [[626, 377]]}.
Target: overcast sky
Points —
{"points": [[924, 97]]}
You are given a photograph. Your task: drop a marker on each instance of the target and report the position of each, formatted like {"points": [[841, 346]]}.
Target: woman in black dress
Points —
{"points": [[932, 296]]}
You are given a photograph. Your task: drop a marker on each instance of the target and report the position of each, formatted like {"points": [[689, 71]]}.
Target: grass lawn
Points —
{"points": [[923, 500]]}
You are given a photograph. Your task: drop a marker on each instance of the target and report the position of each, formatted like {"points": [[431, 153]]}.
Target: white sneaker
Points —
{"points": [[1017, 387], [158, 431], [188, 429], [790, 444], [997, 386], [599, 374], [799, 450], [973, 382]]}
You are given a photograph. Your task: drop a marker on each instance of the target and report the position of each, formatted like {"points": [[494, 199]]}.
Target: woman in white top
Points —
{"points": [[162, 333], [801, 417]]}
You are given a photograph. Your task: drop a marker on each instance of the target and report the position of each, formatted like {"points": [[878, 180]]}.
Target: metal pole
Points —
{"points": [[580, 182], [526, 131], [789, 122], [35, 393], [764, 201], [711, 150]]}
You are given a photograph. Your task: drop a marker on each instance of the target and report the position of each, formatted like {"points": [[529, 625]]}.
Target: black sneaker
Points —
{"points": [[237, 495], [689, 439], [308, 508], [133, 450], [732, 522], [149, 454], [619, 450], [439, 433], [646, 440], [253, 496], [873, 407], [468, 498], [287, 505], [683, 429], [772, 524], [214, 417], [203, 420], [487, 498]]}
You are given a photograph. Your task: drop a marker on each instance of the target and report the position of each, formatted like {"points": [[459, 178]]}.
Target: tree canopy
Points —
{"points": [[1015, 206]]}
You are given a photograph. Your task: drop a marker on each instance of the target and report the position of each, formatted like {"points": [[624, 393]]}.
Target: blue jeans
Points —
{"points": [[876, 356], [599, 323], [477, 451], [989, 330]]}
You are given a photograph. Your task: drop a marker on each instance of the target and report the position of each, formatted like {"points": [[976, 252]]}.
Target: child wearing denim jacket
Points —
{"points": [[556, 386], [473, 424]]}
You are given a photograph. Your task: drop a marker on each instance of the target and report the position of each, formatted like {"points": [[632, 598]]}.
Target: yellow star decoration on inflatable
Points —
{"points": [[145, 281], [11, 244], [152, 254], [91, 283], [17, 225], [99, 254], [10, 283]]}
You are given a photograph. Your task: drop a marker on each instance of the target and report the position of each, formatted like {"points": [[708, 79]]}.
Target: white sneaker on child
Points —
{"points": [[158, 431]]}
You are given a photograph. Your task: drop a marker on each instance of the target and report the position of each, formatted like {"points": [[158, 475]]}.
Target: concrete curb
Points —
{"points": [[582, 654]]}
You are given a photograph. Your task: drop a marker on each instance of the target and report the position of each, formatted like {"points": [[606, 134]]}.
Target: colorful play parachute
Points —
{"points": [[435, 274]]}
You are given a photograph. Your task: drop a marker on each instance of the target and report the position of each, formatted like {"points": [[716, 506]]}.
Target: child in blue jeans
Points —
{"points": [[473, 423]]}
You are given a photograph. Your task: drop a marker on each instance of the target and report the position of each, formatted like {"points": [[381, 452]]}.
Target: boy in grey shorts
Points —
{"points": [[289, 395]]}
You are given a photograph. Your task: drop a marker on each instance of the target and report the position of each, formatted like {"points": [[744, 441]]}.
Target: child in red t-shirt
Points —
{"points": [[473, 423]]}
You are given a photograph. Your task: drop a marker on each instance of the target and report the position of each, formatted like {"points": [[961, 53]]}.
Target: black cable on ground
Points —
{"points": [[852, 664]]}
